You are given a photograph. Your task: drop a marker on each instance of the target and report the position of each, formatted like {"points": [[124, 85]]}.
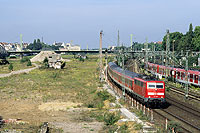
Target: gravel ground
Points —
{"points": [[81, 127]]}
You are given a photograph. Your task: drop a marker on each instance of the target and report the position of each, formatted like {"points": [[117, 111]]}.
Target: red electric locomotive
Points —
{"points": [[148, 91]]}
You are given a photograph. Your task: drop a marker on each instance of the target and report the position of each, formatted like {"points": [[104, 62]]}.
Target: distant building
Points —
{"points": [[70, 47], [13, 46], [112, 48], [59, 44], [159, 42]]}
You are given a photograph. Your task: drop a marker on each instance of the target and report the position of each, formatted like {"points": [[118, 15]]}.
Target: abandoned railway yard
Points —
{"points": [[70, 99]]}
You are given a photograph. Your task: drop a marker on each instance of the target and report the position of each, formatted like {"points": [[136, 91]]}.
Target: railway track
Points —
{"points": [[182, 92], [188, 117], [160, 116]]}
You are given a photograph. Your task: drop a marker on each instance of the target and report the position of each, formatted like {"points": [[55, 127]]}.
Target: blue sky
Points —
{"points": [[82, 20]]}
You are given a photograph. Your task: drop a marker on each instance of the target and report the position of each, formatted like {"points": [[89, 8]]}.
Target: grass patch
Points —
{"points": [[138, 126], [17, 65], [25, 128], [99, 98], [106, 117], [77, 82], [124, 128]]}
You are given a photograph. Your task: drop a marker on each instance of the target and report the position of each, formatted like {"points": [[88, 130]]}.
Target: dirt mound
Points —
{"points": [[41, 56], [57, 106]]}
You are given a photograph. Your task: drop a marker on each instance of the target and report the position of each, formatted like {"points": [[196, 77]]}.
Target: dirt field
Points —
{"points": [[59, 97]]}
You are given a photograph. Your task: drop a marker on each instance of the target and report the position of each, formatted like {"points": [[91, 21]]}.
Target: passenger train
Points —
{"points": [[179, 74], [147, 91]]}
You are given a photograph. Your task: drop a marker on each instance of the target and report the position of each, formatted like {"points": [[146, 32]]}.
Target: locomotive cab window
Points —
{"points": [[151, 85], [159, 85]]}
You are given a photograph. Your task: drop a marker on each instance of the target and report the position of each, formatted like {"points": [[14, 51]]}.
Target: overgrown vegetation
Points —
{"points": [[10, 67], [16, 64], [99, 98], [29, 63], [111, 118], [45, 63], [138, 126], [174, 126], [124, 128], [24, 59]]}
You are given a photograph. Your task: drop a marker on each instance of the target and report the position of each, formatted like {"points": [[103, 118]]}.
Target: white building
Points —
{"points": [[71, 47]]}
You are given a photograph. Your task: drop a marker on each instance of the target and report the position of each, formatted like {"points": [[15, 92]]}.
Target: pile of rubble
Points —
{"points": [[54, 60]]}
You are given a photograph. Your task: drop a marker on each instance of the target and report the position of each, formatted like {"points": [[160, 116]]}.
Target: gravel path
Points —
{"points": [[19, 71]]}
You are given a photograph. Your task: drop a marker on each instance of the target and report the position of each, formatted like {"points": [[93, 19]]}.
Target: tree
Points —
{"points": [[182, 44], [46, 62], [174, 38], [196, 39], [34, 42], [38, 41], [189, 36], [38, 45], [35, 45]]}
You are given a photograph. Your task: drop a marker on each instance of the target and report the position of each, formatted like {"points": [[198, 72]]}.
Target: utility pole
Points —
{"points": [[146, 53], [21, 45], [167, 52], [131, 45], [118, 49], [154, 50], [100, 57], [173, 52], [118, 40], [162, 58], [123, 78], [87, 47], [186, 85], [132, 42]]}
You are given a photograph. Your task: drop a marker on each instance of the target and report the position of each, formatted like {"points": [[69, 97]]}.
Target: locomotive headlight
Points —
{"points": [[161, 96], [149, 96]]}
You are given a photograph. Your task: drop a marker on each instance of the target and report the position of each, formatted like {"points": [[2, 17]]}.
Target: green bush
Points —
{"points": [[138, 126], [62, 64], [90, 105], [108, 118], [174, 125], [111, 118], [81, 59], [104, 95], [46, 62], [29, 63], [24, 59], [124, 128], [10, 67]]}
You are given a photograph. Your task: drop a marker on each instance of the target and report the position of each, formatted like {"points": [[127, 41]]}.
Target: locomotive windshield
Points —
{"points": [[155, 85], [151, 86], [159, 86]]}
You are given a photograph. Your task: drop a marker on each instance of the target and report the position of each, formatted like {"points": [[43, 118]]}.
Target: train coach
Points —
{"points": [[179, 74], [147, 91]]}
